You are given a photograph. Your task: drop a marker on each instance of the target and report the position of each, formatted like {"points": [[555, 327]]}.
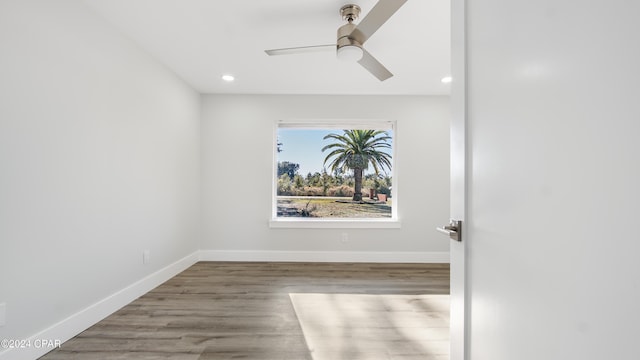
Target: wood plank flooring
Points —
{"points": [[245, 310]]}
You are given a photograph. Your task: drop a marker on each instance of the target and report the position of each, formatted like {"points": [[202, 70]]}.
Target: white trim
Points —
{"points": [[305, 223], [460, 314], [325, 256], [362, 124], [274, 174], [80, 321]]}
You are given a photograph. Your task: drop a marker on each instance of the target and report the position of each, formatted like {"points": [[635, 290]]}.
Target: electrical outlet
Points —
{"points": [[344, 237], [3, 314], [146, 257]]}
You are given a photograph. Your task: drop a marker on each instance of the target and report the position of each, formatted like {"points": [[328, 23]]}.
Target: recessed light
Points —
{"points": [[446, 79], [228, 78]]}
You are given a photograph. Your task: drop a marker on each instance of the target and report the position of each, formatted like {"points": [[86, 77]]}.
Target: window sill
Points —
{"points": [[289, 223]]}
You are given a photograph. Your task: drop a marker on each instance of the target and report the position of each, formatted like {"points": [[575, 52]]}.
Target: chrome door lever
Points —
{"points": [[454, 230]]}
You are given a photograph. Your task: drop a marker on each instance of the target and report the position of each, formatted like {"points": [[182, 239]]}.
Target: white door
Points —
{"points": [[552, 182]]}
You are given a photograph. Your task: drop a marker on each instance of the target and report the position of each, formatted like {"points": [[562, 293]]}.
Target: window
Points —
{"points": [[334, 174]]}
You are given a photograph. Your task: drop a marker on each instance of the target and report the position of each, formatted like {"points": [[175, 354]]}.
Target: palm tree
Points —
{"points": [[356, 150]]}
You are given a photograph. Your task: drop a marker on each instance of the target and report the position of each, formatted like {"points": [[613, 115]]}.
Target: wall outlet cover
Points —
{"points": [[3, 314], [146, 256]]}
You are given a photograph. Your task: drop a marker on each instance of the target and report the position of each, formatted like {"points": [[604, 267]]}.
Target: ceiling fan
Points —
{"points": [[351, 37]]}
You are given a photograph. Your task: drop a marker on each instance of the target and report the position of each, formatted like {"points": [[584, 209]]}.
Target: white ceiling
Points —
{"points": [[200, 40]]}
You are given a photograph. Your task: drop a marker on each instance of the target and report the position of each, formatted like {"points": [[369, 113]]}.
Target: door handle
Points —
{"points": [[453, 229]]}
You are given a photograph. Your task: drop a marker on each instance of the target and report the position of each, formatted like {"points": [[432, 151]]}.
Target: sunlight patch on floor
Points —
{"points": [[364, 326]]}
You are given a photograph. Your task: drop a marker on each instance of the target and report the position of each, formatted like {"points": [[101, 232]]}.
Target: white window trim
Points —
{"points": [[335, 223], [301, 223]]}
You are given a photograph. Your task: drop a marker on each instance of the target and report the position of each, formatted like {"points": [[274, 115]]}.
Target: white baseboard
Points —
{"points": [[80, 321], [325, 256]]}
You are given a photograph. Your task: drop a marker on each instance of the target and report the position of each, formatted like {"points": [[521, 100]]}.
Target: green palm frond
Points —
{"points": [[358, 149]]}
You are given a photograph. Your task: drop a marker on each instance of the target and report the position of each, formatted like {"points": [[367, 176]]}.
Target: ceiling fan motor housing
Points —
{"points": [[348, 49], [344, 38]]}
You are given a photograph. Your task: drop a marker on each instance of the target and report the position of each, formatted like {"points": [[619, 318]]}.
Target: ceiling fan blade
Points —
{"points": [[301, 49], [374, 66], [380, 13]]}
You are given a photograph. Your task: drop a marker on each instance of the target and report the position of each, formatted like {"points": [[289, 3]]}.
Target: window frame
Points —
{"points": [[336, 223]]}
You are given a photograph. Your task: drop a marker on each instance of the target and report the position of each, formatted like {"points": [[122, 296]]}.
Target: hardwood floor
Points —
{"points": [[242, 310]]}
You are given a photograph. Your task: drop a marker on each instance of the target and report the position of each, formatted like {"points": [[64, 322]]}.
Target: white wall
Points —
{"points": [[99, 160], [554, 179], [238, 162]]}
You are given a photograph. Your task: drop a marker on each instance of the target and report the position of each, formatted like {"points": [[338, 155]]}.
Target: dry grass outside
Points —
{"points": [[319, 207]]}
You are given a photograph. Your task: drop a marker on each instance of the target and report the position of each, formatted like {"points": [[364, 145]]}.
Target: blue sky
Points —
{"points": [[304, 147]]}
